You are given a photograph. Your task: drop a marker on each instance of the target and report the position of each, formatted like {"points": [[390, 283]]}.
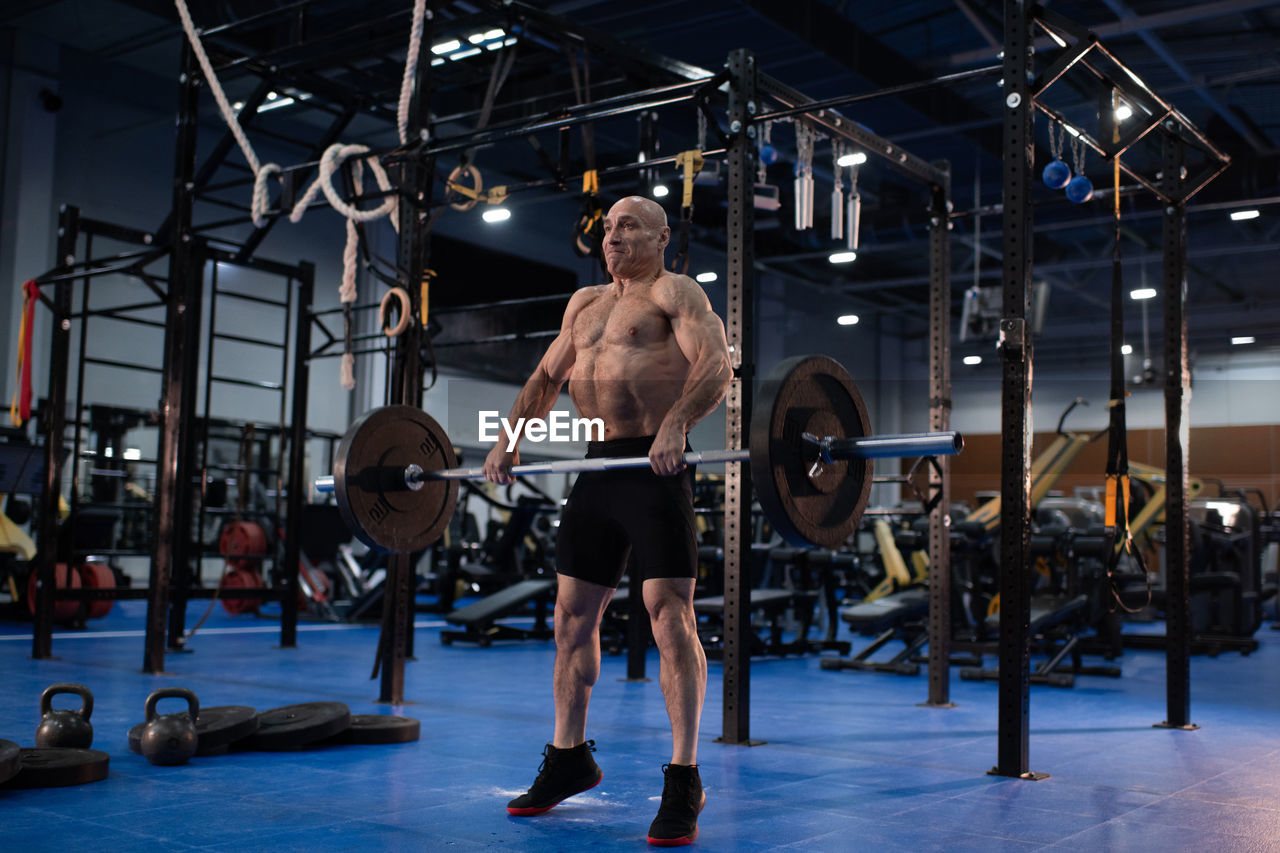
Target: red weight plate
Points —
{"points": [[97, 576]]}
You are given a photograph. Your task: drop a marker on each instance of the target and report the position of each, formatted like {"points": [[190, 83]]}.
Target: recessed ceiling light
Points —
{"points": [[496, 214], [1242, 339], [856, 158], [706, 277], [847, 319], [973, 359], [660, 191], [1241, 215], [1142, 293], [842, 257]]}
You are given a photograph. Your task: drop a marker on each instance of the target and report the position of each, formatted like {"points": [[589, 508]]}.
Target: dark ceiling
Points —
{"points": [[1217, 62]]}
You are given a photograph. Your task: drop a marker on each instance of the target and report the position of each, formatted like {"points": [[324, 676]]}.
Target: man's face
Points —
{"points": [[633, 239]]}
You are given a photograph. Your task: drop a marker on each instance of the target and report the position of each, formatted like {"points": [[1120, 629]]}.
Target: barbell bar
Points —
{"points": [[829, 448], [396, 478]]}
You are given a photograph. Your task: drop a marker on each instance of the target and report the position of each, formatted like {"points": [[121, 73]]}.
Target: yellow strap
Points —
{"points": [[591, 182], [14, 417], [1116, 483], [691, 161]]}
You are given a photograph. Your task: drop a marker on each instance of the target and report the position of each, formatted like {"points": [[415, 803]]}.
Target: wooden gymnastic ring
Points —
{"points": [[470, 198], [384, 311]]}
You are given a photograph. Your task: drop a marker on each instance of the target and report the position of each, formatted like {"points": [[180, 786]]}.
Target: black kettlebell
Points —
{"points": [[65, 728], [171, 739]]}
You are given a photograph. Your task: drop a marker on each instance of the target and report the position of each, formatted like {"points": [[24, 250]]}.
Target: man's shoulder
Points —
{"points": [[584, 296], [673, 290]]}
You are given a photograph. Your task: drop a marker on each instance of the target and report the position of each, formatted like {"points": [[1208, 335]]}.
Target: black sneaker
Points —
{"points": [[562, 773], [682, 800]]}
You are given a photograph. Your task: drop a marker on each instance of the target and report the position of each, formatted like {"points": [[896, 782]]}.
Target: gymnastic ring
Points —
{"points": [[384, 311], [471, 195]]}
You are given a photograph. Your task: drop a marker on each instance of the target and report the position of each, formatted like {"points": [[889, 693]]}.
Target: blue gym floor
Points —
{"points": [[851, 763]]}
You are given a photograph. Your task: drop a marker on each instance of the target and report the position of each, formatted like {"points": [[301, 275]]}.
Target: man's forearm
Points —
{"points": [[704, 389], [536, 397]]}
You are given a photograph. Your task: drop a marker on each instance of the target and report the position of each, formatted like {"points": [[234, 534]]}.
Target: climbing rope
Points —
{"points": [[334, 157]]}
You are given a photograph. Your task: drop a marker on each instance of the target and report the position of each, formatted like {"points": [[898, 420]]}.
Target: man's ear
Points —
{"points": [[665, 236]]}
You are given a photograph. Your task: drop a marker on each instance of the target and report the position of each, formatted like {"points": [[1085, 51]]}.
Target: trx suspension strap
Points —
{"points": [[691, 164], [588, 230], [1117, 501]]}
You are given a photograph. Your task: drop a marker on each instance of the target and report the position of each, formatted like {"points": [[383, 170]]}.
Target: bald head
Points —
{"points": [[635, 236], [645, 209]]}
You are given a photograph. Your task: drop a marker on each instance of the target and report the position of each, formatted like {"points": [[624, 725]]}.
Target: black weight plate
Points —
{"points": [[10, 759], [368, 479], [218, 727], [821, 507], [223, 725], [377, 729], [299, 725], [57, 767]]}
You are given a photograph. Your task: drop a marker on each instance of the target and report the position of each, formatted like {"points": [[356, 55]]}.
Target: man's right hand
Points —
{"points": [[497, 465]]}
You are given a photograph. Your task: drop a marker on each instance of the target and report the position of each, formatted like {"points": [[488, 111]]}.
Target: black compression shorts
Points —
{"points": [[627, 512]]}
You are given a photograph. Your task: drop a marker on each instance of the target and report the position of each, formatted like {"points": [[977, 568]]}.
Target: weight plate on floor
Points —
{"points": [[809, 501], [378, 728], [381, 509], [10, 759], [299, 725], [57, 767], [217, 728]]}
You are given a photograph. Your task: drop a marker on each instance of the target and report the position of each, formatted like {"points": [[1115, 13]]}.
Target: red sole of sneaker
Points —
{"points": [[544, 809], [672, 842]]}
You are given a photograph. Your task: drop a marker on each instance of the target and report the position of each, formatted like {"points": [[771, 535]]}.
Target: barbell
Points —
{"points": [[395, 475]]}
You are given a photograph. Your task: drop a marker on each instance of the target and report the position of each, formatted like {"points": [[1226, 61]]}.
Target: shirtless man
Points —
{"points": [[646, 355]]}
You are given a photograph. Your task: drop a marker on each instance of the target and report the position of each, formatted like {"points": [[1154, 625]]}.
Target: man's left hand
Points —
{"points": [[667, 454]]}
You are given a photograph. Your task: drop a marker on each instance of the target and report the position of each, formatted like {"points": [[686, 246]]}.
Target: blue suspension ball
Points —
{"points": [[1056, 175], [1079, 189], [768, 154]]}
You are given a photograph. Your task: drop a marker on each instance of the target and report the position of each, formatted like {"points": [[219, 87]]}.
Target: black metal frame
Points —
{"points": [[1022, 90]]}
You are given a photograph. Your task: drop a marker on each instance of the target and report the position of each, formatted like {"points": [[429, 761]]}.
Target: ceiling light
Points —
{"points": [[446, 46], [463, 54], [1071, 130], [1126, 349], [847, 319], [1242, 339], [1142, 293], [973, 359], [437, 61], [1123, 112], [275, 104], [857, 158], [496, 214], [132, 454], [660, 191], [493, 34], [706, 277], [1241, 215], [476, 38], [842, 257]]}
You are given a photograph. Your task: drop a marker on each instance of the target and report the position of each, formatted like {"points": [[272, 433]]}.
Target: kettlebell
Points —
{"points": [[65, 728], [171, 739]]}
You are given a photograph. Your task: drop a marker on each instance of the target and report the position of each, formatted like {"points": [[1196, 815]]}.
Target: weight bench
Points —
{"points": [[479, 619], [1053, 619], [772, 604], [900, 615]]}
